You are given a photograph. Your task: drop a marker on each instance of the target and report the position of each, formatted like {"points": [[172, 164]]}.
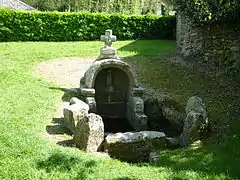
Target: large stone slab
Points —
{"points": [[164, 112], [134, 147], [74, 112], [89, 133], [196, 122]]}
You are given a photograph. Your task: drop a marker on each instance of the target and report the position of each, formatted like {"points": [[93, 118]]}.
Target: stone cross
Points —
{"points": [[108, 38]]}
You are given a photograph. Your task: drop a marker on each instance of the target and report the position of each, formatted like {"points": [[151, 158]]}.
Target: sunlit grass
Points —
{"points": [[28, 103]]}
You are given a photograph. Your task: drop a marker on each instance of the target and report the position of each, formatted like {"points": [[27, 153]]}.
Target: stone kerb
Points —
{"points": [[134, 147], [97, 66], [76, 110]]}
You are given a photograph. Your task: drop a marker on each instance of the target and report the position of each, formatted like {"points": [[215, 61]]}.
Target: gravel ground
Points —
{"points": [[64, 72]]}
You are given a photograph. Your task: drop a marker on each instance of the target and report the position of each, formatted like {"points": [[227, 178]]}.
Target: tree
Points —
{"points": [[46, 5], [202, 11], [105, 6]]}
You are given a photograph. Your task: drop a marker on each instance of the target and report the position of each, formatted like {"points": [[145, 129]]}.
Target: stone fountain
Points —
{"points": [[111, 116], [111, 89]]}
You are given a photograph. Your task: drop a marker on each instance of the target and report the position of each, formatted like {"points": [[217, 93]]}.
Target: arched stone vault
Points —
{"points": [[134, 105], [97, 66]]}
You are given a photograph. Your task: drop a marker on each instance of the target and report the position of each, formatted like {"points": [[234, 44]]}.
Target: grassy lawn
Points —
{"points": [[28, 104]]}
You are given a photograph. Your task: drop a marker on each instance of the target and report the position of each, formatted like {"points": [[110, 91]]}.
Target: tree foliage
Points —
{"points": [[106, 6], [202, 11]]}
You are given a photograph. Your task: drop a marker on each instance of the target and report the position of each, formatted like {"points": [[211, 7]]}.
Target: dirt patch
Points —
{"points": [[64, 72]]}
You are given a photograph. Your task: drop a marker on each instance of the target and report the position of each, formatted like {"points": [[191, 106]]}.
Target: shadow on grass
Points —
{"points": [[150, 47], [66, 143], [86, 169], [221, 96], [222, 102], [57, 127], [210, 159], [65, 163], [222, 99], [69, 93], [125, 178]]}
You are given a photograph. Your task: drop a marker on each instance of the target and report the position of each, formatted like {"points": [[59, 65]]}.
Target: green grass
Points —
{"points": [[28, 104]]}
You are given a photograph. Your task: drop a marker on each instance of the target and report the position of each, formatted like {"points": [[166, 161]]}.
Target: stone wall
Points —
{"points": [[209, 44]]}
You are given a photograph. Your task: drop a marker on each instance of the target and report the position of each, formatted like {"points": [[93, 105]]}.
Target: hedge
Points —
{"points": [[56, 26]]}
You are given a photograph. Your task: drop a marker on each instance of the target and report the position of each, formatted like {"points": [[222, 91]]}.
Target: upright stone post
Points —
{"points": [[89, 133]]}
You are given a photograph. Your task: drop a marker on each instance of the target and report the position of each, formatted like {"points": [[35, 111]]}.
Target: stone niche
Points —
{"points": [[111, 90]]}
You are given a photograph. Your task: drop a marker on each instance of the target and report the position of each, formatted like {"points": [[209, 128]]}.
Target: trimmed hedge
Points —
{"points": [[55, 26]]}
